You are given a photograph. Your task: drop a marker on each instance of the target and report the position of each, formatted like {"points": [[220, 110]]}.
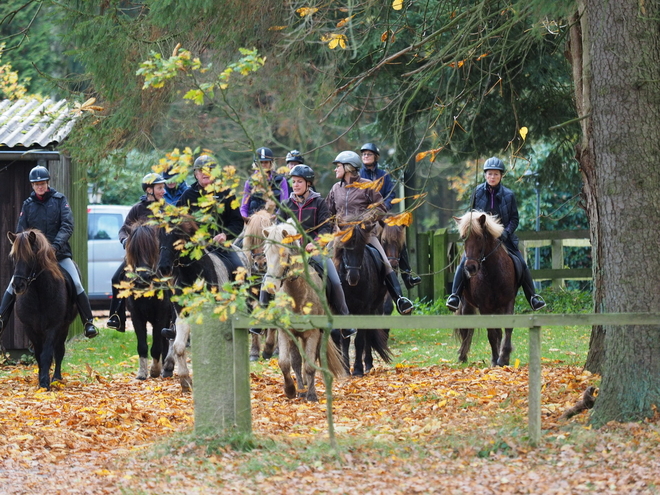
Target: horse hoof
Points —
{"points": [[254, 358], [266, 356], [141, 377], [167, 374]]}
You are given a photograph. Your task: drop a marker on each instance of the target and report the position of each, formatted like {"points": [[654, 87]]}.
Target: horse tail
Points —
{"points": [[335, 360], [378, 339]]}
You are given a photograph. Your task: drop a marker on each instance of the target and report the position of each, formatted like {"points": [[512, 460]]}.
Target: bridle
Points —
{"points": [[483, 257]]}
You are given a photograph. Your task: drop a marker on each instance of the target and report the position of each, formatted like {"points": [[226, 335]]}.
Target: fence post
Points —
{"points": [[439, 263], [221, 391], [557, 261], [424, 265], [534, 381]]}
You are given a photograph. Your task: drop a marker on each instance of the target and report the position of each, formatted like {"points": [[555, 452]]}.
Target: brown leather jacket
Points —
{"points": [[350, 202]]}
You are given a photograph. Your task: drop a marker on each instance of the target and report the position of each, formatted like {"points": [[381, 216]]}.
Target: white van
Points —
{"points": [[104, 251]]}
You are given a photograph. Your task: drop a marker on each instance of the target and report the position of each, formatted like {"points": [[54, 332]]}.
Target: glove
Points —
{"points": [[505, 236]]}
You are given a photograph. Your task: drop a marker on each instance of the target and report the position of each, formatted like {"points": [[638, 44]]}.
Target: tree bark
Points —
{"points": [[615, 49]]}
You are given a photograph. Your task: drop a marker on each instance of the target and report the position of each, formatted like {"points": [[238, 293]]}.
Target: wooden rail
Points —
{"points": [[231, 409]]}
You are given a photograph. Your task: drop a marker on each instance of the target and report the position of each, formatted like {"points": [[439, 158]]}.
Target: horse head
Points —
{"points": [[32, 254], [142, 252], [480, 233], [277, 252], [393, 238], [172, 242], [253, 240], [351, 242]]}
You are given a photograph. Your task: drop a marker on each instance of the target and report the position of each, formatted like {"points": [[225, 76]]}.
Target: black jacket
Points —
{"points": [[230, 221], [139, 211], [51, 215], [499, 201], [313, 215]]}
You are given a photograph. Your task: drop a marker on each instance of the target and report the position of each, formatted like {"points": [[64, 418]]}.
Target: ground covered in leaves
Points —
{"points": [[400, 430]]}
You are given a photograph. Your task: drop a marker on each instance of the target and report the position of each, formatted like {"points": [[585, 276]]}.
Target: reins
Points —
{"points": [[483, 258]]}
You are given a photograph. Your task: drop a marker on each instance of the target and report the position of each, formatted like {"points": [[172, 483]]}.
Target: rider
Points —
{"points": [[309, 208], [371, 171], [49, 211], [293, 158], [346, 201], [153, 186], [278, 188], [492, 197], [174, 188]]}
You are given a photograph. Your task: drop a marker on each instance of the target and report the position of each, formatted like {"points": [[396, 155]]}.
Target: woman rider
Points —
{"points": [[309, 209], [492, 197], [49, 211], [351, 202], [153, 186]]}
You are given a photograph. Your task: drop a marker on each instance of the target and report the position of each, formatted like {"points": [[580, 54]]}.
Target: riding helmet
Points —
{"points": [[494, 163], [204, 161], [151, 180], [264, 155], [370, 147], [294, 156], [303, 171], [39, 173], [350, 158]]}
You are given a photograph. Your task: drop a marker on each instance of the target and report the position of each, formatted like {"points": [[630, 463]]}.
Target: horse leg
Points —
{"points": [[269, 345], [140, 326], [287, 348], [59, 356], [255, 345], [179, 353], [44, 354], [368, 353], [465, 334], [506, 348], [312, 345], [495, 339], [359, 343]]}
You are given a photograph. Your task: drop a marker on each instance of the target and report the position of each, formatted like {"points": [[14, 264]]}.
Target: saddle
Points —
{"points": [[380, 266], [518, 267]]}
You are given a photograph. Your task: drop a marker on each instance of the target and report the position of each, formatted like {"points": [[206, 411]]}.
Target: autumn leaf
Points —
{"points": [[343, 22], [404, 219], [423, 154], [305, 11], [523, 132], [290, 239], [376, 185], [388, 35], [397, 4]]}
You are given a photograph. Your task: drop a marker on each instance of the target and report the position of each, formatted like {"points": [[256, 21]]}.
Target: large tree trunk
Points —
{"points": [[617, 76]]}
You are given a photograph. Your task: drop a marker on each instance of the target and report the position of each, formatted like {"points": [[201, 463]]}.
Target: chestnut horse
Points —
{"points": [[285, 273], [490, 282], [45, 300]]}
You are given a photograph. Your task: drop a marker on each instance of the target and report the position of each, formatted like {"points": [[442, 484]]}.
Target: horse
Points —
{"points": [[364, 289], [142, 254], [253, 247], [284, 274], [45, 300], [490, 287], [185, 271]]}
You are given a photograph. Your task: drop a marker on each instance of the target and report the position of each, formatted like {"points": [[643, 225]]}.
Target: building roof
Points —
{"points": [[29, 122]]}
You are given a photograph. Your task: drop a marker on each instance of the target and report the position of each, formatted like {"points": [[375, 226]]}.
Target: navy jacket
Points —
{"points": [[498, 201], [387, 191]]}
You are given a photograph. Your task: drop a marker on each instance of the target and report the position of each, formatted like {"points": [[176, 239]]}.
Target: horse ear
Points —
{"points": [[11, 236], [290, 229], [458, 219], [266, 231], [32, 236], [482, 220]]}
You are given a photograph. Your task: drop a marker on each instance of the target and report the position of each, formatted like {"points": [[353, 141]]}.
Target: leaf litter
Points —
{"points": [[401, 429]]}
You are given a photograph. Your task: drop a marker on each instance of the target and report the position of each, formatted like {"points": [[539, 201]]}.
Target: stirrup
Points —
{"points": [[347, 333], [168, 333], [115, 323], [255, 331], [536, 302], [90, 330], [404, 305], [453, 301]]}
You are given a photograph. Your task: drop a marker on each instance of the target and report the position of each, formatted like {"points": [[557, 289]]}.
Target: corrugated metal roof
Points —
{"points": [[29, 122]]}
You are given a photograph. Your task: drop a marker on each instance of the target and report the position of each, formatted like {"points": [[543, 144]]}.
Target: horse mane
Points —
{"points": [[142, 247], [253, 235], [470, 223], [277, 233], [354, 231], [23, 249]]}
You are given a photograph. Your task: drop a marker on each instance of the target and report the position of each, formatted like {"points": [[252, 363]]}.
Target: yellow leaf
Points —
{"points": [[404, 218], [523, 132], [276, 28], [397, 4], [387, 35], [345, 234], [420, 156], [516, 363], [176, 49], [397, 200], [343, 22], [333, 43], [290, 239], [305, 11]]}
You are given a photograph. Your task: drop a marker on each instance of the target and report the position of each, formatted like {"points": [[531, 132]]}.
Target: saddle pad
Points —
{"points": [[378, 260]]}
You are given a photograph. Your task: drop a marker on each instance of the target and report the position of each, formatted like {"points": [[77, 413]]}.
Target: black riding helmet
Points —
{"points": [[370, 147], [151, 179], [303, 171], [294, 156], [39, 174], [494, 163]]}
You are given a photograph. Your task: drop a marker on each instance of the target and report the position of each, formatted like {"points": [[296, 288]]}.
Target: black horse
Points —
{"points": [[45, 300], [142, 254], [365, 291], [185, 271]]}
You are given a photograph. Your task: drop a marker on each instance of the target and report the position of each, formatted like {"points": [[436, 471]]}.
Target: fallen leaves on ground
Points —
{"points": [[95, 435]]}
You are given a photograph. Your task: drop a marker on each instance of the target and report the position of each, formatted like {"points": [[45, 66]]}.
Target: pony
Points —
{"points": [[253, 249], [185, 271], [364, 289], [490, 287], [284, 274], [142, 254], [45, 299]]}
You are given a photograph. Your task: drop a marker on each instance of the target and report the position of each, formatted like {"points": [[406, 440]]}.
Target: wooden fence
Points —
{"points": [[439, 252], [222, 395]]}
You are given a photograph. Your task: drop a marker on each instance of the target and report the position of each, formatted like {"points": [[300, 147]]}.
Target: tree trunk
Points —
{"points": [[616, 65]]}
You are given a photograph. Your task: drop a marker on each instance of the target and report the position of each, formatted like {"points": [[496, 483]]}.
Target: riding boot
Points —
{"points": [[85, 310], [117, 318], [409, 280], [454, 298], [535, 300], [6, 308], [169, 333], [403, 305]]}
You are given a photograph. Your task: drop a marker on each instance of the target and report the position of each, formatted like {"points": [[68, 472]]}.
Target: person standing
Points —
{"points": [[353, 201], [371, 171], [153, 186], [492, 197], [264, 184], [49, 211]]}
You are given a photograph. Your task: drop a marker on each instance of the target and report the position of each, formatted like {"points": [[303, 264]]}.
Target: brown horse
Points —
{"points": [[253, 248], [287, 275], [490, 287]]}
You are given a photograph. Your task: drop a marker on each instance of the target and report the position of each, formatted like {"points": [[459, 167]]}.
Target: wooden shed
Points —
{"points": [[30, 132]]}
